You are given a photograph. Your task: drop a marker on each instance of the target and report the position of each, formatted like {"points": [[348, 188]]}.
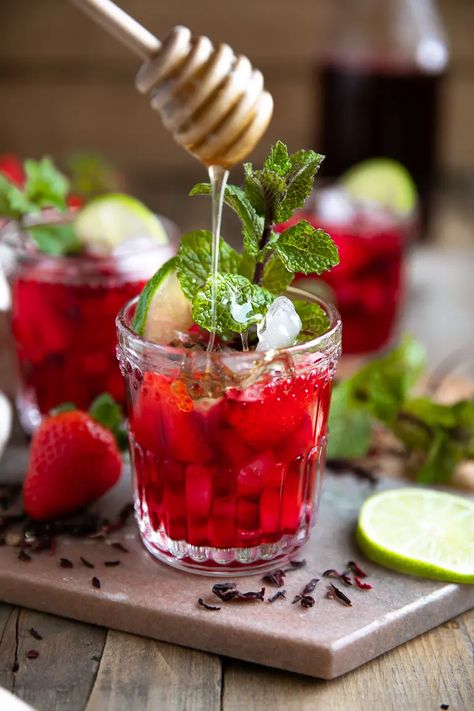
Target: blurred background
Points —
{"points": [[66, 86]]}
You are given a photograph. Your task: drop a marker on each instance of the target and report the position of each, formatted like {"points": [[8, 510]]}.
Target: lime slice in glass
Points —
{"points": [[162, 308], [114, 218], [383, 181], [420, 532]]}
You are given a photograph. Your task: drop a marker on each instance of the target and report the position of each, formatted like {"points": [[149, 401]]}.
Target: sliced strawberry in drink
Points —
{"points": [[223, 523], [174, 500], [270, 506], [297, 443], [198, 490], [251, 478], [274, 411], [234, 450], [248, 521], [293, 495], [166, 418]]}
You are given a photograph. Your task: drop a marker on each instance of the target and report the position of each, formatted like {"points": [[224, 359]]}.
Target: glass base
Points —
{"points": [[205, 560]]}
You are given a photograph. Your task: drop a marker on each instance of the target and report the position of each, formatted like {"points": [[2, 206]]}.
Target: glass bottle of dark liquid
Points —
{"points": [[380, 87]]}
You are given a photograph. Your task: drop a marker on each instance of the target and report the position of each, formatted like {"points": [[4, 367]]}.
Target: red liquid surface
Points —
{"points": [[367, 285], [240, 472], [65, 336]]}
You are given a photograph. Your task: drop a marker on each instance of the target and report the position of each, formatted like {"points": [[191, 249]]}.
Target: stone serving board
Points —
{"points": [[148, 598]]}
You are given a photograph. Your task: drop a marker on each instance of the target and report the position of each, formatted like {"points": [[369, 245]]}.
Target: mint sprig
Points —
{"points": [[435, 436], [270, 258], [45, 186]]}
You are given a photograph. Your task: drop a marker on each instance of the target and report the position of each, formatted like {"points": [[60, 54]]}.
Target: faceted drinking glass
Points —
{"points": [[63, 320], [227, 448]]}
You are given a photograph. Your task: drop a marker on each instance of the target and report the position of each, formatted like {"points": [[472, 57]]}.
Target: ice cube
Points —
{"points": [[280, 327]]}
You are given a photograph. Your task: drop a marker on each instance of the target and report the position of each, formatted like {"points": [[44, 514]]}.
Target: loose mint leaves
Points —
{"points": [[193, 263], [239, 304], [436, 436], [314, 320], [305, 249]]}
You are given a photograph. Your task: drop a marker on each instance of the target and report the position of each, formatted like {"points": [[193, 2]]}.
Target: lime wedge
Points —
{"points": [[420, 532], [162, 308], [383, 181], [114, 218]]}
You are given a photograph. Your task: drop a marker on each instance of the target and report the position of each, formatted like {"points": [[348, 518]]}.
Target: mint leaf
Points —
{"points": [[278, 159], [45, 185], [240, 304], [55, 239], [194, 260], [350, 429], [300, 181], [441, 460], [64, 407], [253, 189], [13, 203], [252, 222], [276, 277], [108, 413], [383, 385], [314, 320], [305, 249]]}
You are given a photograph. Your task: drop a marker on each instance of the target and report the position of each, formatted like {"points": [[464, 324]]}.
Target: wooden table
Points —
{"points": [[86, 667]]}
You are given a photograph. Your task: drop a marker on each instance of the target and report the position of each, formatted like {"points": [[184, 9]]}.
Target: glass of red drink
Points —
{"points": [[63, 321], [368, 284], [228, 447]]}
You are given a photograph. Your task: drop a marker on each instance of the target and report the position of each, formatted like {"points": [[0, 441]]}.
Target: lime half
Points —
{"points": [[162, 308], [420, 532], [383, 181], [112, 219]]}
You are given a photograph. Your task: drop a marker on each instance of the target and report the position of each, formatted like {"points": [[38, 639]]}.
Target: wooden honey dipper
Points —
{"points": [[212, 101]]}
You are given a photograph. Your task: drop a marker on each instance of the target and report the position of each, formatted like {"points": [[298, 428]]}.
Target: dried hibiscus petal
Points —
{"points": [[66, 563], [96, 582], [309, 587], [331, 573], [356, 569], [32, 654], [276, 578], [307, 601], [277, 595], [86, 562], [34, 633], [334, 592], [206, 606], [361, 585]]}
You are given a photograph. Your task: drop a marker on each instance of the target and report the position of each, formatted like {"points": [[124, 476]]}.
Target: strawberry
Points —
{"points": [[275, 411], [166, 423], [73, 461], [11, 167]]}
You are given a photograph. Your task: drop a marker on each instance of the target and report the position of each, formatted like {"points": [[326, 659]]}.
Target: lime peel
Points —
{"points": [[114, 218], [383, 181], [420, 532]]}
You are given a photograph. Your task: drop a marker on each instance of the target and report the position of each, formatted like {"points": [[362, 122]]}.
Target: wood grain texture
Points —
{"points": [[62, 676], [145, 675], [436, 668]]}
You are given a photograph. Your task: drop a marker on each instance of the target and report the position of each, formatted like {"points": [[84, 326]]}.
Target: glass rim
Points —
{"points": [[329, 338], [12, 235]]}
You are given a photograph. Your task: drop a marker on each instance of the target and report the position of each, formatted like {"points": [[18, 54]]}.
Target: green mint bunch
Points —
{"points": [[437, 436], [45, 186], [248, 282]]}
